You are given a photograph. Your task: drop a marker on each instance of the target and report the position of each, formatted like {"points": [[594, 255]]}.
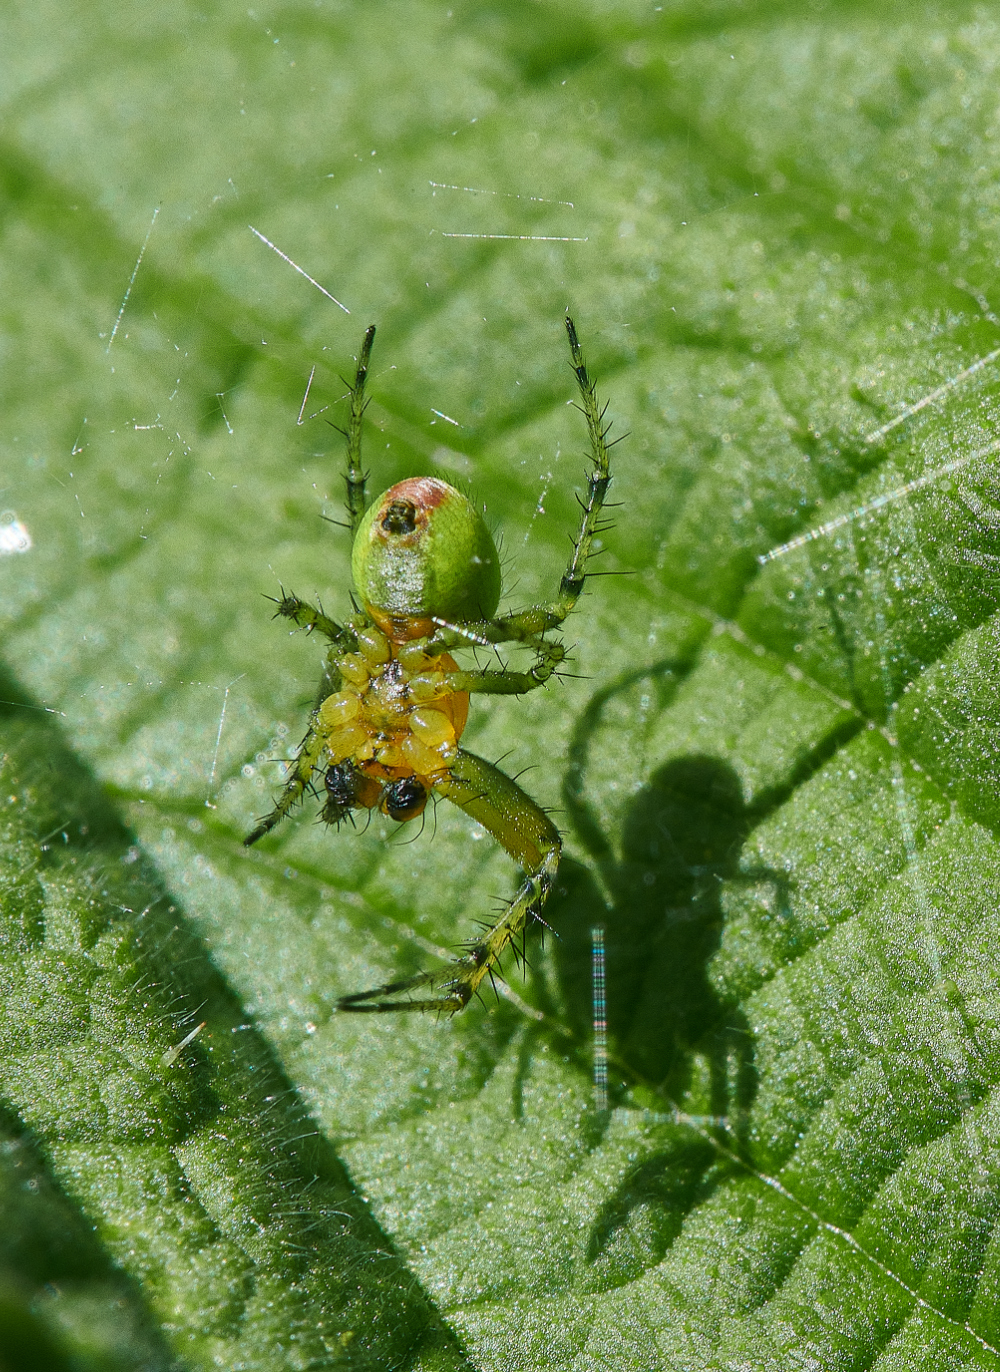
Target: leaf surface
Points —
{"points": [[777, 776]]}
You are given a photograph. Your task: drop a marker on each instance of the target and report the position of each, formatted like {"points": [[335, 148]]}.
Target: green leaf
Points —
{"points": [[777, 776]]}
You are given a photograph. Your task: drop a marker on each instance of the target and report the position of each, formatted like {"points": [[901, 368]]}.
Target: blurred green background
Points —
{"points": [[777, 229]]}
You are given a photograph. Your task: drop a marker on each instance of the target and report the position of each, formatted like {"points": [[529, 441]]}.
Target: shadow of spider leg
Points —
{"points": [[525, 831]]}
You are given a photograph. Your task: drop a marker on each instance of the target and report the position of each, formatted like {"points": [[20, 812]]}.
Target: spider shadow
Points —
{"points": [[680, 841], [662, 912]]}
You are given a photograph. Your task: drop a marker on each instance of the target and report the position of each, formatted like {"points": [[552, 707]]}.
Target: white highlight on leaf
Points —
{"points": [[540, 506], [14, 536], [930, 398], [302, 408], [131, 283], [47, 709], [801, 539], [285, 258], [172, 1054], [218, 740], [879, 502], [505, 195], [520, 237]]}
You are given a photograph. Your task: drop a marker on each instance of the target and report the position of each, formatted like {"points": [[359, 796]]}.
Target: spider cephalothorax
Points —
{"points": [[393, 702]]}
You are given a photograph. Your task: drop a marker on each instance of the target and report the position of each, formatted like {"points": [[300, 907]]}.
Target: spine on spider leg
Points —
{"points": [[525, 831], [355, 476], [484, 954], [550, 657], [306, 760], [307, 616], [600, 477], [457, 983]]}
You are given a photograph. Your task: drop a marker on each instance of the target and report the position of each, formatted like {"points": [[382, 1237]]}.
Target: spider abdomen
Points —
{"points": [[423, 553]]}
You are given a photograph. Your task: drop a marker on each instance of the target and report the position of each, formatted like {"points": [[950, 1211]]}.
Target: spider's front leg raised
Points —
{"points": [[532, 840], [529, 626]]}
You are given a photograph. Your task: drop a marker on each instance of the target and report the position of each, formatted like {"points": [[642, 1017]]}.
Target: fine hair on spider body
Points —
{"points": [[393, 702]]}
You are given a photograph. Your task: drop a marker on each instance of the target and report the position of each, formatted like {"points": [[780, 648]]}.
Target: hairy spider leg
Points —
{"points": [[310, 751], [525, 831], [599, 480], [355, 476], [306, 761], [309, 617], [549, 656], [529, 626]]}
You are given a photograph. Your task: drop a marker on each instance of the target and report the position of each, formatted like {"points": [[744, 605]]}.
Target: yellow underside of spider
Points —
{"points": [[396, 716]]}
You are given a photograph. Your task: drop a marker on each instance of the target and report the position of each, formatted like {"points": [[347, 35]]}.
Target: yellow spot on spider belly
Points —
{"points": [[413, 658], [427, 686], [339, 709], [424, 761], [374, 646], [398, 715], [390, 755], [353, 669], [432, 727], [351, 741]]}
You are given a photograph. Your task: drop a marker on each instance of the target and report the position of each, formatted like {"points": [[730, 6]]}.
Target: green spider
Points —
{"points": [[393, 702]]}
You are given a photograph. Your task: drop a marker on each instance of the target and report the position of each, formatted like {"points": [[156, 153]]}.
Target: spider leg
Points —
{"points": [[550, 654], [308, 617], [310, 752], [549, 657], [355, 476], [303, 767], [598, 482], [530, 837], [528, 626]]}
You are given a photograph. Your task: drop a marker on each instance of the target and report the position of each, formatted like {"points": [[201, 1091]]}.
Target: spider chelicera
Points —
{"points": [[393, 702]]}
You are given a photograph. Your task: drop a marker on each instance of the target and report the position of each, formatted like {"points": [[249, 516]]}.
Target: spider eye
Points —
{"points": [[400, 517], [405, 799]]}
